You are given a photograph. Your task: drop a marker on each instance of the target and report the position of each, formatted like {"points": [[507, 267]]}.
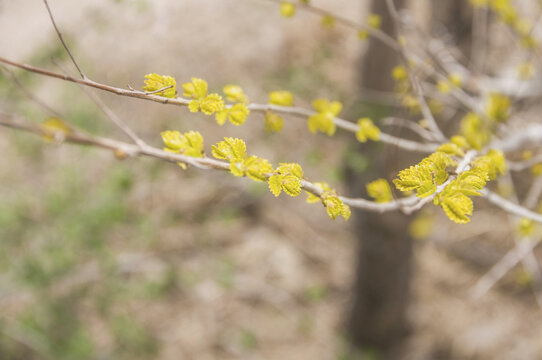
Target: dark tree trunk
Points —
{"points": [[455, 18], [377, 319]]}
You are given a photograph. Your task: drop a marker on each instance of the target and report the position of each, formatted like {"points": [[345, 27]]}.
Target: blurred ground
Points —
{"points": [[110, 259]]}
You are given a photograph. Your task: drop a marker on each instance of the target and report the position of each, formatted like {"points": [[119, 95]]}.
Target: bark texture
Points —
{"points": [[377, 318]]}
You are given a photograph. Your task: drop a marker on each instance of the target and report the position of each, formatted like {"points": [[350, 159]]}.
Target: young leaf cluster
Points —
{"points": [[334, 205], [287, 177], [475, 130], [189, 143], [237, 113], [379, 190], [322, 121], [426, 175], [455, 197], [235, 152], [273, 121], [367, 130], [155, 82], [55, 129]]}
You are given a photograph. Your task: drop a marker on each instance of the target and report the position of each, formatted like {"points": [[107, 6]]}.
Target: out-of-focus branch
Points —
{"points": [[29, 95], [522, 252], [377, 33], [529, 261], [414, 82], [407, 124], [528, 134], [511, 207], [534, 193], [523, 165], [511, 259]]}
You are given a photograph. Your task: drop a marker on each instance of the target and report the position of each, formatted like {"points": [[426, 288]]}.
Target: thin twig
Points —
{"points": [[62, 40], [530, 263], [511, 207], [428, 52], [523, 165], [414, 83], [29, 95], [534, 193], [522, 252], [111, 115], [408, 124], [159, 90], [104, 108], [500, 269]]}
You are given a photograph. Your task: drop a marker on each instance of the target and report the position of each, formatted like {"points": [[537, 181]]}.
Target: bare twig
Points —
{"points": [[159, 90], [62, 40], [421, 131], [414, 83], [111, 115], [87, 82], [529, 135], [511, 207], [523, 165], [522, 252], [534, 193], [500, 269], [29, 95], [530, 263], [106, 110]]}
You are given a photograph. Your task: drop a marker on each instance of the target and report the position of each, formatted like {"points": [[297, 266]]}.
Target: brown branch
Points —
{"points": [[29, 95], [205, 163], [62, 39], [296, 111], [111, 115]]}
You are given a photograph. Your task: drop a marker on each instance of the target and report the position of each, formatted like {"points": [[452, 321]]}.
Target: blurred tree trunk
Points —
{"points": [[455, 17], [377, 320]]}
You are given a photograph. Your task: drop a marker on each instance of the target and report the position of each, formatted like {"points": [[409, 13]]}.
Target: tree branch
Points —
{"points": [[204, 163], [297, 111], [62, 40]]}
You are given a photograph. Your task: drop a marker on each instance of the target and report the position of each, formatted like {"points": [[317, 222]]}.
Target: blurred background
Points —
{"points": [[102, 258]]}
